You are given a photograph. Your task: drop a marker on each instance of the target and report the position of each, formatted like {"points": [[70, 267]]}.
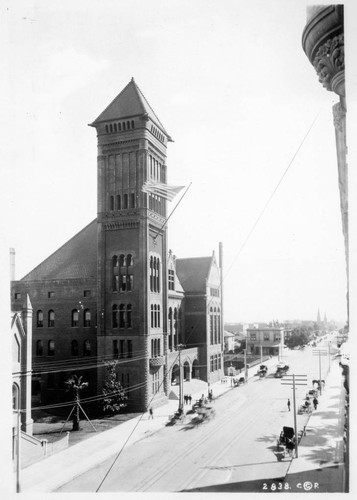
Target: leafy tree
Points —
{"points": [[115, 397], [299, 336], [75, 384]]}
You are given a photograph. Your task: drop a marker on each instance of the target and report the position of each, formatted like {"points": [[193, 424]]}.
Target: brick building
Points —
{"points": [[114, 290]]}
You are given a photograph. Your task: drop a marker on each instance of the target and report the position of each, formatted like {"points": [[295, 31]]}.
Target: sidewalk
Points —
{"points": [[320, 465], [57, 470]]}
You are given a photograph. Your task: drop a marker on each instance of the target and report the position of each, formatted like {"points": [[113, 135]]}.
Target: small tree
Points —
{"points": [[75, 384], [115, 397]]}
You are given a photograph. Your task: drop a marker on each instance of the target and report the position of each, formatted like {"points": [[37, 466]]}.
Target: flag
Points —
{"points": [[161, 189]]}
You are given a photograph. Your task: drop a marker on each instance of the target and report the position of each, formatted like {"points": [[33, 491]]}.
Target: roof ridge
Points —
{"points": [[152, 109], [57, 250]]}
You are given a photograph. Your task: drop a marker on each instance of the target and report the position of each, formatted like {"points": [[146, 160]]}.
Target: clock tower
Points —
{"points": [[132, 246]]}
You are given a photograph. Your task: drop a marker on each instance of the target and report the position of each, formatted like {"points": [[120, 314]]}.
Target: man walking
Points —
{"points": [[315, 403], [288, 403]]}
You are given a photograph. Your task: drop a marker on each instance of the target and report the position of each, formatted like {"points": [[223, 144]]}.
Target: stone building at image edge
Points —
{"points": [[115, 290]]}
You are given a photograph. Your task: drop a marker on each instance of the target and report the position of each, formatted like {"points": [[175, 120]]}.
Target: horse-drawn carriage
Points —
{"points": [[263, 370], [281, 370], [286, 443]]}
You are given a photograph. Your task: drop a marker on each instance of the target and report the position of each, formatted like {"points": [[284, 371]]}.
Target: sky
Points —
{"points": [[232, 86]]}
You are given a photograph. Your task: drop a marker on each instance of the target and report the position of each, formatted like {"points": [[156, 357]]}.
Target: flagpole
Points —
{"points": [[167, 220]]}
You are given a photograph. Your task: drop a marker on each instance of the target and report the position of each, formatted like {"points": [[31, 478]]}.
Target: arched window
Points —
{"points": [[75, 317], [154, 275], [115, 127], [152, 316], [155, 348], [111, 127], [87, 317], [74, 348], [123, 125], [122, 260], [125, 201], [39, 348], [129, 260], [51, 348], [121, 316], [132, 200], [132, 124], [215, 325], [158, 316], [151, 274], [128, 124], [115, 261], [107, 129], [15, 397], [155, 316], [158, 348], [158, 275], [118, 202], [119, 124], [39, 319], [111, 203], [128, 316], [86, 348], [115, 316], [51, 318]]}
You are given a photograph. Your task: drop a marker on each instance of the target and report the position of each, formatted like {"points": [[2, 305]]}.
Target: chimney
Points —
{"points": [[12, 264]]}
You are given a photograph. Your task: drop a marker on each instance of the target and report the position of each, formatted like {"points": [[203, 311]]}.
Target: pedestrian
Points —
{"points": [[315, 403], [189, 399], [186, 399], [151, 413], [288, 403]]}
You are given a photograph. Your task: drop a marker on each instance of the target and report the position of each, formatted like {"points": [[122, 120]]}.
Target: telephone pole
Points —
{"points": [[294, 380]]}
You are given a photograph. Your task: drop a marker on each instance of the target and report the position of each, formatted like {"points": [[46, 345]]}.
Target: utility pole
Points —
{"points": [[319, 353], [18, 451], [180, 379], [294, 380]]}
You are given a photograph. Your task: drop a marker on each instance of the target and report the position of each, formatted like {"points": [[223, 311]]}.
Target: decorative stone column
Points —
{"points": [[323, 43]]}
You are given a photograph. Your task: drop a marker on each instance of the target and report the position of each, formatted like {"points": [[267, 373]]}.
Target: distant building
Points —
{"points": [[229, 341], [266, 341]]}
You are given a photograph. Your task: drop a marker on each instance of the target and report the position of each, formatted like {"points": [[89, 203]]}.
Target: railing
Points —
{"points": [[157, 361]]}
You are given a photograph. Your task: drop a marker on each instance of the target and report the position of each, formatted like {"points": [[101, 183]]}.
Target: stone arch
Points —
{"points": [[186, 371], [175, 374], [195, 372]]}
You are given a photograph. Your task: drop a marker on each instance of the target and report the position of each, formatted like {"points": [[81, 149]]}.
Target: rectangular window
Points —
{"points": [[130, 282], [87, 293], [115, 349], [266, 337], [50, 295], [171, 279], [123, 283], [130, 348], [253, 336], [122, 348], [17, 295], [132, 200]]}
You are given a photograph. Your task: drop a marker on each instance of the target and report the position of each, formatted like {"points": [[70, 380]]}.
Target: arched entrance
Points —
{"points": [[195, 369], [186, 371], [175, 375]]}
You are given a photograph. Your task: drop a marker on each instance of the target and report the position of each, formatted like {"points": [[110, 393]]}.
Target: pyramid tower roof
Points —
{"points": [[130, 102]]}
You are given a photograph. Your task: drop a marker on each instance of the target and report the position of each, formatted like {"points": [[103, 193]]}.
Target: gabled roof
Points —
{"points": [[130, 102], [193, 273], [75, 259]]}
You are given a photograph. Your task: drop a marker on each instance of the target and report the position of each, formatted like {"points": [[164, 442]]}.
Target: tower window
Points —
{"points": [[128, 124], [106, 129], [118, 202], [51, 348], [87, 317], [111, 203], [50, 295], [132, 200], [123, 125], [119, 125], [130, 348], [115, 316], [115, 349], [132, 124], [115, 127], [39, 319], [87, 293], [75, 318], [51, 318], [128, 316], [121, 316], [39, 348], [86, 348], [125, 204]]}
